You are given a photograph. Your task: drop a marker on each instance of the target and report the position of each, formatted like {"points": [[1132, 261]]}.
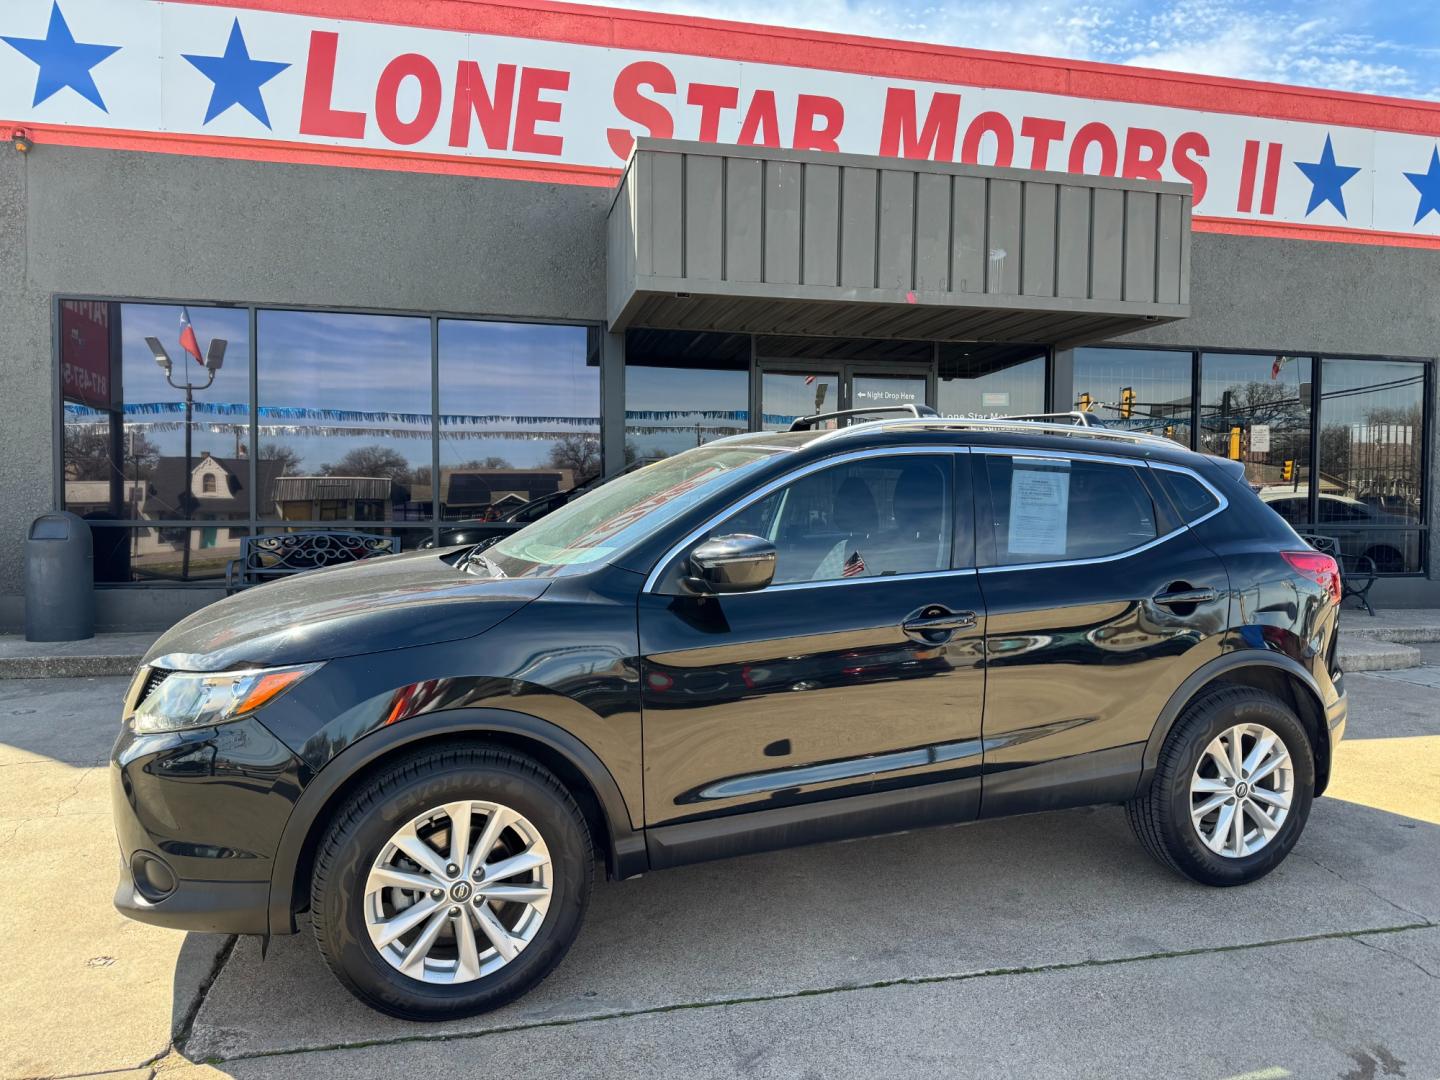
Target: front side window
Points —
{"points": [[1058, 509], [876, 517]]}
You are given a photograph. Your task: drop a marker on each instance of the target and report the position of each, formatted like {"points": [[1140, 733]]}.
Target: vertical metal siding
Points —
{"points": [[892, 232]]}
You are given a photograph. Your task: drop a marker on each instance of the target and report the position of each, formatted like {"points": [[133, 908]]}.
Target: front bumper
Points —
{"points": [[198, 816]]}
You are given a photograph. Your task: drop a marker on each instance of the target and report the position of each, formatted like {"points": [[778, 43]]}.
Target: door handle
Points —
{"points": [[1186, 596], [936, 623]]}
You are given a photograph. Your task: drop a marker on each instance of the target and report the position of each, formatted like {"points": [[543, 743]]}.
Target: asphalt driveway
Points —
{"points": [[1040, 946]]}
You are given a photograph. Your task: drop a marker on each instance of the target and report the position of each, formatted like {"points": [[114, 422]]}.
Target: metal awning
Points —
{"points": [[746, 239]]}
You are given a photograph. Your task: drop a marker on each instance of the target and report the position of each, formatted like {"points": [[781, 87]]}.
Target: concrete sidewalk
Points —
{"points": [[103, 654], [1040, 946]]}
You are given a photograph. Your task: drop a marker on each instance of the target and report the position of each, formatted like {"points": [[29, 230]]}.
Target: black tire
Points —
{"points": [[1160, 816], [409, 787]]}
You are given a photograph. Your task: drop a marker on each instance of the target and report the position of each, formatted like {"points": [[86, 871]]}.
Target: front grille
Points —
{"points": [[152, 682]]}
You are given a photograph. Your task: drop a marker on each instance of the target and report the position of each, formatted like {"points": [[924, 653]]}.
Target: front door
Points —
{"points": [[846, 697], [793, 389], [1100, 603]]}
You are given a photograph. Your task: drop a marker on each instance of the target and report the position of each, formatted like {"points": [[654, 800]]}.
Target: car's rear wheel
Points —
{"points": [[1232, 789], [451, 882]]}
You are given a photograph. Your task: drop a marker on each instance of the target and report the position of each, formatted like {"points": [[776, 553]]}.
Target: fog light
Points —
{"points": [[153, 879]]}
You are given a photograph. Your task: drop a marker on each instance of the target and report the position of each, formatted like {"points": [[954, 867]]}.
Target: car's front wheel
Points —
{"points": [[1232, 789], [451, 882]]}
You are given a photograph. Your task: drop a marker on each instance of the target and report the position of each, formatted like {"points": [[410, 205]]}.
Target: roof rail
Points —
{"points": [[1002, 423], [1077, 417], [806, 423]]}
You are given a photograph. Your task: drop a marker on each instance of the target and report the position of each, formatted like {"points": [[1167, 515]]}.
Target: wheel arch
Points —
{"points": [[1274, 673], [573, 763]]}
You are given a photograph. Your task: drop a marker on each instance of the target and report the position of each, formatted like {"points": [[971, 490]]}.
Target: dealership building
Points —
{"points": [[281, 265]]}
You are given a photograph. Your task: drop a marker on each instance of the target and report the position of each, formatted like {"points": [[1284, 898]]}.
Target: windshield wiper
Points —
{"points": [[477, 558]]}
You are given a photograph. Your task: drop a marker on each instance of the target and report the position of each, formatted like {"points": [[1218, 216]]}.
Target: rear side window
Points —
{"points": [[1056, 509], [1192, 499]]}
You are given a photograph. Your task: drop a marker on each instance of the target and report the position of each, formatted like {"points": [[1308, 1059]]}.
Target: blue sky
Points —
{"points": [[1369, 47]]}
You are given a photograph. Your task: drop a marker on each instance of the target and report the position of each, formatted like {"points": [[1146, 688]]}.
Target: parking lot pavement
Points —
{"points": [[1045, 945], [85, 990]]}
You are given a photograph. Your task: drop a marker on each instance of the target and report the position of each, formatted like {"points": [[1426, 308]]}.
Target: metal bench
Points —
{"points": [[264, 558], [1357, 572]]}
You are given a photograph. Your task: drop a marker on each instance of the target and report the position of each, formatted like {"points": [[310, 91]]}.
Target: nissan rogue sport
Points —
{"points": [[771, 640]]}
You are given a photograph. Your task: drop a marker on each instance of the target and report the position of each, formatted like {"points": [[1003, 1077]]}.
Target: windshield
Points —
{"points": [[606, 521]]}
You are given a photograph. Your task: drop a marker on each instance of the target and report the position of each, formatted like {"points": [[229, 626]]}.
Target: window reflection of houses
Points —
{"points": [[490, 493], [216, 490], [332, 498]]}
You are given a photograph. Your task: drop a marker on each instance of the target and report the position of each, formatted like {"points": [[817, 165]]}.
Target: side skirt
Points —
{"points": [[812, 823]]}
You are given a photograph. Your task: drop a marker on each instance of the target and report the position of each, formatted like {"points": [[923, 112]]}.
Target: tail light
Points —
{"points": [[1319, 568]]}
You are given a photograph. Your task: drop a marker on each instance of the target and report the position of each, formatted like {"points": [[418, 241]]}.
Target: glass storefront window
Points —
{"points": [[1255, 408], [682, 390], [519, 414], [1145, 390], [978, 380], [167, 554], [1370, 479], [345, 414], [126, 414]]}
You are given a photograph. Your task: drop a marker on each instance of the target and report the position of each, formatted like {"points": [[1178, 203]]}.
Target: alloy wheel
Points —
{"points": [[1241, 789], [458, 892]]}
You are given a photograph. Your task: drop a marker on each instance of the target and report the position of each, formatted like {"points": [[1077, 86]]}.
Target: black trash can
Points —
{"points": [[59, 579]]}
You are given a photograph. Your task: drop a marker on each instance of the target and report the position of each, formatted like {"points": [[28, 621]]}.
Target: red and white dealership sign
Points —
{"points": [[555, 92]]}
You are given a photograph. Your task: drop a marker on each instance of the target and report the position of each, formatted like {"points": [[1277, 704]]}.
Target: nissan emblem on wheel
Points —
{"points": [[424, 760]]}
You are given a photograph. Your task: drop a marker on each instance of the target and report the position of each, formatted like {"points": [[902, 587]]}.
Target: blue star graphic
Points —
{"points": [[1428, 184], [237, 78], [63, 61], [1326, 179]]}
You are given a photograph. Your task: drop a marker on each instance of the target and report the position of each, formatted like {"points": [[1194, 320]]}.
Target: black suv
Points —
{"points": [[771, 640]]}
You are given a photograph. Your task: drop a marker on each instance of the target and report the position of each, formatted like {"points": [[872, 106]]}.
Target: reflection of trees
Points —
{"points": [[1378, 456], [578, 452], [1258, 403], [375, 461], [1244, 405], [286, 455], [422, 475], [87, 454]]}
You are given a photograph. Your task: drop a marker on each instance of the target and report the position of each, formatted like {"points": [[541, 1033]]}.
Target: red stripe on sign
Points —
{"points": [[300, 154], [1247, 177], [1335, 234], [662, 33], [1272, 179]]}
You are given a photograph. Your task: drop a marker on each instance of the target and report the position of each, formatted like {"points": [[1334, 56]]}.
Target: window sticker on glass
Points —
{"points": [[1039, 507]]}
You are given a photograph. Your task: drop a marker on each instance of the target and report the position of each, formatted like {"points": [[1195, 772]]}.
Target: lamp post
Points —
{"points": [[214, 360]]}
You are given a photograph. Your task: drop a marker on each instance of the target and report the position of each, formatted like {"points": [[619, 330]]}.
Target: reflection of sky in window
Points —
{"points": [[143, 381], [692, 388], [365, 363], [1355, 390], [518, 370], [1161, 380], [786, 394], [1024, 383]]}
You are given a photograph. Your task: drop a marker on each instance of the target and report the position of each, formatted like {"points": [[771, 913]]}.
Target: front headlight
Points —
{"points": [[193, 699]]}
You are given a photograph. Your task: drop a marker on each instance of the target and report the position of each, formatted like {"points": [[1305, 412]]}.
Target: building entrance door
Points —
{"points": [[790, 390]]}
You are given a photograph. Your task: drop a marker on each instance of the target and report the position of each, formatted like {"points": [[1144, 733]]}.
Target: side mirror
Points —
{"points": [[731, 564]]}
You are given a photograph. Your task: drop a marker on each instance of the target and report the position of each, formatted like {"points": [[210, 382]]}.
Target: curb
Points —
{"points": [[1371, 654], [67, 667]]}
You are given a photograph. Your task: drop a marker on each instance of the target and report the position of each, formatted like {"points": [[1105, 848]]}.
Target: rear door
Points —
{"points": [[1100, 603], [854, 679]]}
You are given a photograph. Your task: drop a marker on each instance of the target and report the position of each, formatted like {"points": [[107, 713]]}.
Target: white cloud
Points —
{"points": [[1230, 38]]}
